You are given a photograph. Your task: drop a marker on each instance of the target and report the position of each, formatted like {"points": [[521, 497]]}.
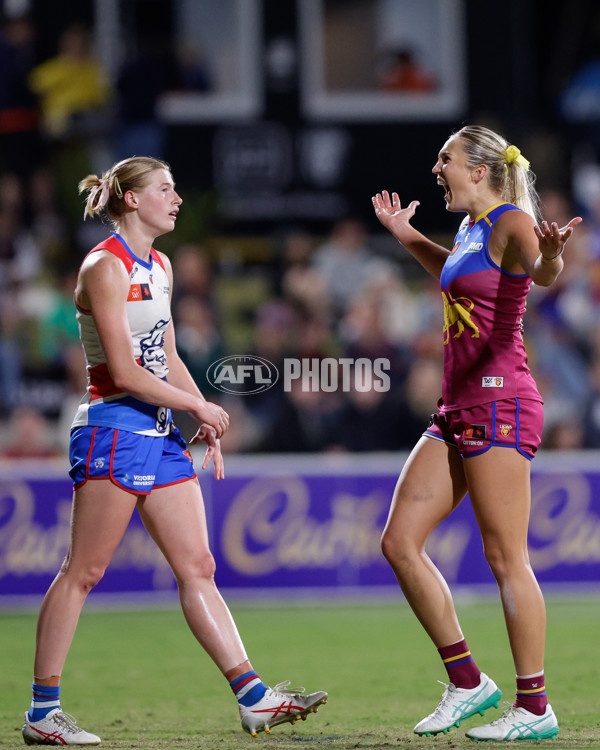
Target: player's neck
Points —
{"points": [[482, 204], [139, 242]]}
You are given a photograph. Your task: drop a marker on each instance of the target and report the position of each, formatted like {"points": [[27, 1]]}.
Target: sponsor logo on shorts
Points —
{"points": [[474, 431], [146, 480], [505, 429], [492, 382], [99, 462]]}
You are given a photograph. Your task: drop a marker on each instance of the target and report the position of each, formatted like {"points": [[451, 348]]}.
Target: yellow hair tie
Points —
{"points": [[512, 153]]}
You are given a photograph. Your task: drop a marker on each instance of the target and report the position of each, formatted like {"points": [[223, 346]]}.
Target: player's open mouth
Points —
{"points": [[447, 191]]}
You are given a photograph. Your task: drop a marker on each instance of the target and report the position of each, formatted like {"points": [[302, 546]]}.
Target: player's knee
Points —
{"points": [[388, 546], [93, 576], [85, 577], [502, 562], [201, 566], [397, 552]]}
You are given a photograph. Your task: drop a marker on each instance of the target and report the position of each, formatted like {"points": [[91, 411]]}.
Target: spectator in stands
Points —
{"points": [[192, 271], [403, 73], [346, 263], [305, 421], [141, 79], [21, 148], [71, 84], [30, 436]]}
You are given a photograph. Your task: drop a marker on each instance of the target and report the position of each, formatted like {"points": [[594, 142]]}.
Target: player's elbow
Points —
{"points": [[544, 279], [124, 378], [545, 274]]}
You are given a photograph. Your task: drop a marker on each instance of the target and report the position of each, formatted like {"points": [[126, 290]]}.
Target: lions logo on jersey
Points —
{"points": [[457, 312]]}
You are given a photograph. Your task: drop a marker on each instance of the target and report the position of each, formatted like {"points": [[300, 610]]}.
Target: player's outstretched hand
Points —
{"points": [[208, 434], [552, 239], [390, 213]]}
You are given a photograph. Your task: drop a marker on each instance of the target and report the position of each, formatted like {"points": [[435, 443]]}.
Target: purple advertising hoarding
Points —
{"points": [[301, 523]]}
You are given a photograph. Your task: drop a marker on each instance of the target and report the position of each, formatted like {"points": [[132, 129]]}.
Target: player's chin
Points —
{"points": [[452, 206], [165, 227]]}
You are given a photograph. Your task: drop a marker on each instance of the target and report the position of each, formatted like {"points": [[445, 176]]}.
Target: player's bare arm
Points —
{"points": [[396, 219]]}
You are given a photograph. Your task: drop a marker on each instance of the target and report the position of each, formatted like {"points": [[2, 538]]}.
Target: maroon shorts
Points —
{"points": [[509, 423]]}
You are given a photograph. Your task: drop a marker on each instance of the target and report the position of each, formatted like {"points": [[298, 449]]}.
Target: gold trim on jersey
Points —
{"points": [[484, 214]]}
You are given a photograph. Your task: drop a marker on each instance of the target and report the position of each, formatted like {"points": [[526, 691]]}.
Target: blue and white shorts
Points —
{"points": [[136, 463]]}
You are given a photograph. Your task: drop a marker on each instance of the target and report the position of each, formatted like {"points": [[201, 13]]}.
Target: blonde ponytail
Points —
{"points": [[508, 169], [105, 194]]}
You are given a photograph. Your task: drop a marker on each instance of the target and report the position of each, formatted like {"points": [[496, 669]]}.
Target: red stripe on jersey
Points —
{"points": [[115, 246], [156, 257], [101, 383]]}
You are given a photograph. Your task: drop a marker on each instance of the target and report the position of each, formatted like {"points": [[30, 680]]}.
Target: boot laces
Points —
{"points": [[285, 689], [66, 721]]}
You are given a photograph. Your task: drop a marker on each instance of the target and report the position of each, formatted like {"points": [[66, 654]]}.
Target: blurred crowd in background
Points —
{"points": [[332, 294]]}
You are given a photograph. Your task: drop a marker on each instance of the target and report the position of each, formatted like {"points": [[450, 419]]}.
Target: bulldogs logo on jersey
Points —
{"points": [[153, 356]]}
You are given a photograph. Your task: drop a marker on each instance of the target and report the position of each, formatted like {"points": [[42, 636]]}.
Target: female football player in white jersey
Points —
{"points": [[123, 439]]}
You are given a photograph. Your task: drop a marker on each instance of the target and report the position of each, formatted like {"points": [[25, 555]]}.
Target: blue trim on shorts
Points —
{"points": [[135, 463], [441, 438], [518, 430], [493, 444]]}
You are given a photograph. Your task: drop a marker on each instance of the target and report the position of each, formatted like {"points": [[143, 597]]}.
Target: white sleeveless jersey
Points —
{"points": [[149, 314]]}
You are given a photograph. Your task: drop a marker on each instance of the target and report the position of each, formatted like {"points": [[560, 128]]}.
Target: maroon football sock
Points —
{"points": [[460, 665], [531, 693]]}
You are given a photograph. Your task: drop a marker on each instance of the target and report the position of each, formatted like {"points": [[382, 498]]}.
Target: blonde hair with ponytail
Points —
{"points": [[105, 194], [508, 170]]}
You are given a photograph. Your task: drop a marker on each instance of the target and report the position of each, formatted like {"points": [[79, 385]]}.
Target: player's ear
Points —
{"points": [[131, 199], [479, 172]]}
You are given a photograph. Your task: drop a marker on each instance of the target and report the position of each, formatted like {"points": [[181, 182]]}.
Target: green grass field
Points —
{"points": [[138, 679]]}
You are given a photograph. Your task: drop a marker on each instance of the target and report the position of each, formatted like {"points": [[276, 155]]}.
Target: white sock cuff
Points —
{"points": [[528, 676], [248, 687]]}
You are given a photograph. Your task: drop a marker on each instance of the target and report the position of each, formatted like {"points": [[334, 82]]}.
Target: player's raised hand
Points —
{"points": [[552, 239], [390, 213]]}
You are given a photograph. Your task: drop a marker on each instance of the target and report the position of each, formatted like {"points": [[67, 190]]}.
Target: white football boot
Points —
{"points": [[56, 728], [518, 724], [458, 704], [278, 705]]}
